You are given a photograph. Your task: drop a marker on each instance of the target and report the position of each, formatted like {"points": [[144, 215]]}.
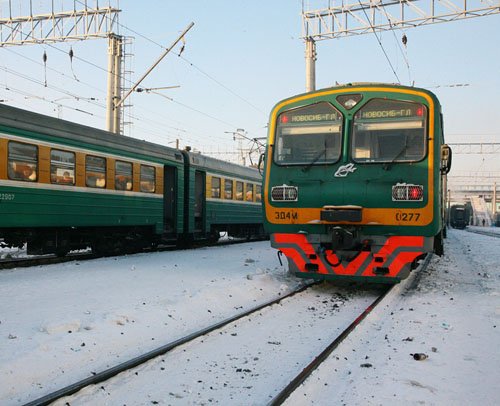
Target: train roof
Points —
{"points": [[355, 85], [223, 167], [26, 121]]}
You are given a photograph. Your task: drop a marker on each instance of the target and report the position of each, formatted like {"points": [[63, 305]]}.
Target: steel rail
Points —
{"points": [[141, 359], [48, 259], [318, 360], [488, 233]]}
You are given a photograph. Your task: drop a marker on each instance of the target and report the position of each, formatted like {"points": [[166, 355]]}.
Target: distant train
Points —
{"points": [[65, 186], [459, 216], [354, 181]]}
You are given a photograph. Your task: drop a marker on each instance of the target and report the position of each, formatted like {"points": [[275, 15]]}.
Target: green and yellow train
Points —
{"points": [[65, 186], [355, 180]]}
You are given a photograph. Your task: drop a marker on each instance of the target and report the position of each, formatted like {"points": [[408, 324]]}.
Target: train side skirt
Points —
{"points": [[387, 263]]}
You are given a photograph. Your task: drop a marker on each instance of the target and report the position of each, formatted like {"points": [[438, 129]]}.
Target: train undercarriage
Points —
{"points": [[116, 240]]}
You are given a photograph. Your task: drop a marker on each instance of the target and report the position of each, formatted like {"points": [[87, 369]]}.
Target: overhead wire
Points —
{"points": [[34, 96], [74, 96], [222, 85], [192, 64], [380, 43], [58, 89], [73, 56], [55, 70], [105, 70], [404, 40]]}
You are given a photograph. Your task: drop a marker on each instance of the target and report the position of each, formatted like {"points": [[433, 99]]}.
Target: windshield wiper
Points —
{"points": [[310, 164], [388, 165]]}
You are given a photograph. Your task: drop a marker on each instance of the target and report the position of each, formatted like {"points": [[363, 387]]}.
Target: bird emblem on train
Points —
{"points": [[345, 170]]}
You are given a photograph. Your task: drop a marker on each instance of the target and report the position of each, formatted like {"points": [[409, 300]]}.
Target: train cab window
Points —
{"points": [[239, 190], [258, 193], [308, 135], [123, 175], [95, 171], [22, 162], [62, 167], [215, 187], [389, 131], [249, 193], [148, 179], [228, 189]]}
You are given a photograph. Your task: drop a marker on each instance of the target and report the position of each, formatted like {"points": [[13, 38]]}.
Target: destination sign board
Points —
{"points": [[302, 118], [317, 113], [391, 109], [387, 113]]}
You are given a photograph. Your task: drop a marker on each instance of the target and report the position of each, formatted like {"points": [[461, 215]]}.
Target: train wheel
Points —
{"points": [[214, 237]]}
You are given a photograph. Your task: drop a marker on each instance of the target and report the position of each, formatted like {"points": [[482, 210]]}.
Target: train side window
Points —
{"points": [[215, 187], [62, 167], [390, 131], [22, 162], [258, 193], [228, 189], [239, 190], [95, 171], [249, 194], [148, 179], [123, 175]]}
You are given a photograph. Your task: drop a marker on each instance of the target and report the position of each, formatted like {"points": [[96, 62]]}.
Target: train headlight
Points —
{"points": [[284, 193], [403, 192]]}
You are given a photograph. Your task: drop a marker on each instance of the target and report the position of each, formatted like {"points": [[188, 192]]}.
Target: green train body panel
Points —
{"points": [[38, 207], [233, 213], [369, 186]]}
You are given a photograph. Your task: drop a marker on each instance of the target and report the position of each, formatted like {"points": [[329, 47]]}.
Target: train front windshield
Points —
{"points": [[389, 131], [309, 135]]}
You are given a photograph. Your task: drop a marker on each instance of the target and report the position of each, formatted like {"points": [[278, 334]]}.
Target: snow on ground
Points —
{"points": [[59, 323], [60, 319], [453, 317]]}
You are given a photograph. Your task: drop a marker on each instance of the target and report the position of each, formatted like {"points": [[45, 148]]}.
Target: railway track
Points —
{"points": [[320, 317], [50, 259], [316, 314], [320, 358], [488, 233], [26, 262], [102, 376]]}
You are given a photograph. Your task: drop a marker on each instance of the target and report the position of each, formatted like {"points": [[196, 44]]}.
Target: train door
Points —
{"points": [[199, 202], [170, 199]]}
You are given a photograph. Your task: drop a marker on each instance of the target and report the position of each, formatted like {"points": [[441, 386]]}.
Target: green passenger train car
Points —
{"points": [[223, 197], [65, 186], [354, 181]]}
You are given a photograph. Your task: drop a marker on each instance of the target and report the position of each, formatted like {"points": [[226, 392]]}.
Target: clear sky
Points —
{"points": [[240, 58]]}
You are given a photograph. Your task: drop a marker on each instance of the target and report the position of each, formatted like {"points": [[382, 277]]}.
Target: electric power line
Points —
{"points": [[380, 43], [188, 62]]}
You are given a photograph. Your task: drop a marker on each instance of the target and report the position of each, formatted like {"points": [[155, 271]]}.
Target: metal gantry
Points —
{"points": [[463, 184], [342, 18], [57, 26], [474, 183], [353, 17], [84, 23]]}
